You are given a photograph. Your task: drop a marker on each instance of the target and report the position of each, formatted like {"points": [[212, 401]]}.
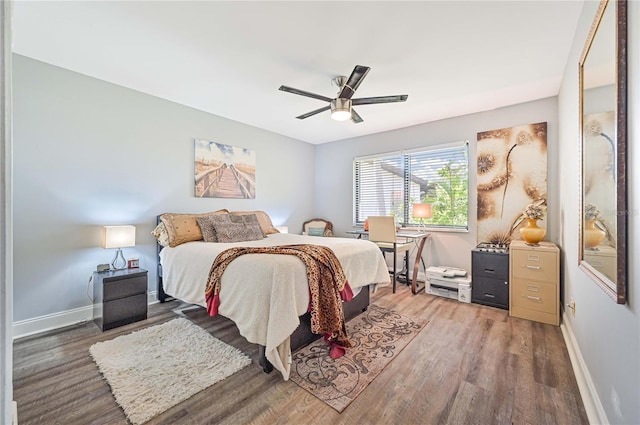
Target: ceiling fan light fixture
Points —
{"points": [[341, 109], [341, 106]]}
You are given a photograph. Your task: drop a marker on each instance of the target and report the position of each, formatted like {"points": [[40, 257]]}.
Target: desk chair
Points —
{"points": [[382, 231]]}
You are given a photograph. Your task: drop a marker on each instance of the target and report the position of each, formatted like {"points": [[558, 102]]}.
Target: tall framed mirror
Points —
{"points": [[603, 203]]}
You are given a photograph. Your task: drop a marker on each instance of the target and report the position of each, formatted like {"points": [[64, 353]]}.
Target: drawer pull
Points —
{"points": [[533, 257], [532, 288], [489, 295], [533, 267], [489, 271], [530, 297]]}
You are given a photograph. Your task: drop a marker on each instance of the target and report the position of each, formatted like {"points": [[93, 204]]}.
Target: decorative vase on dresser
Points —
{"points": [[532, 233], [535, 282], [592, 235]]}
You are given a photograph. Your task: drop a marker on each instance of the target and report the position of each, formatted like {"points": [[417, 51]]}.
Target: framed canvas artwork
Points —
{"points": [[512, 174], [224, 171]]}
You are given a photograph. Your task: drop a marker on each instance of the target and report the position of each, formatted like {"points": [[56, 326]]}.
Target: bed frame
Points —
{"points": [[302, 335]]}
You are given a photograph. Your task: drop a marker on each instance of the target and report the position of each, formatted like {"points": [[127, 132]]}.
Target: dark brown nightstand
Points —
{"points": [[119, 297]]}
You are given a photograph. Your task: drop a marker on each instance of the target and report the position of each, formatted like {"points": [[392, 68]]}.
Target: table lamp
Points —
{"points": [[421, 211], [118, 237]]}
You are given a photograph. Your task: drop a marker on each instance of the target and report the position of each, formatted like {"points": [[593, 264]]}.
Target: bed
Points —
{"points": [[267, 295]]}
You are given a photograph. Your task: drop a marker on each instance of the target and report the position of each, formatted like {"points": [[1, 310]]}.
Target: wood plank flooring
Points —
{"points": [[470, 365]]}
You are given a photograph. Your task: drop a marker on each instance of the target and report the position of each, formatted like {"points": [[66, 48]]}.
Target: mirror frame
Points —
{"points": [[616, 290]]}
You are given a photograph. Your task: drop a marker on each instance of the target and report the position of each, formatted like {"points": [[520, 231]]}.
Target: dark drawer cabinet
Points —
{"points": [[119, 297], [493, 292], [490, 285]]}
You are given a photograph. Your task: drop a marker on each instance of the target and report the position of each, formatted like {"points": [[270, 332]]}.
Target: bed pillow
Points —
{"points": [[206, 225], [315, 231], [183, 228], [249, 220], [237, 232], [263, 218], [160, 233]]}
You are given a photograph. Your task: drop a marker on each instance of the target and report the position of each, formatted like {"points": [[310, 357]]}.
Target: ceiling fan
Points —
{"points": [[341, 106]]}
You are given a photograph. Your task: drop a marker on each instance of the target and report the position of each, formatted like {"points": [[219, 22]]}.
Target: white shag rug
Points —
{"points": [[154, 369]]}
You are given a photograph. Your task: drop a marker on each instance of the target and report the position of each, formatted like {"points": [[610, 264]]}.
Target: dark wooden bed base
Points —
{"points": [[302, 335]]}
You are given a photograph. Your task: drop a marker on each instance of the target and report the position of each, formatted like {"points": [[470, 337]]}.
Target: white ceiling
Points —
{"points": [[229, 58]]}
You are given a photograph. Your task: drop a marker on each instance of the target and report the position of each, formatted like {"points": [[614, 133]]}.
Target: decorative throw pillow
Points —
{"points": [[206, 225], [237, 232], [160, 233], [183, 228], [263, 218], [316, 231], [249, 220]]}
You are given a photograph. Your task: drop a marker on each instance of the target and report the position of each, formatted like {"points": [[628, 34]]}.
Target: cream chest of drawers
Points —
{"points": [[604, 260], [535, 282]]}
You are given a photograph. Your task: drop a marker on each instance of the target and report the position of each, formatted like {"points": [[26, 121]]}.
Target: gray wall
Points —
{"points": [[334, 162], [607, 334], [88, 153]]}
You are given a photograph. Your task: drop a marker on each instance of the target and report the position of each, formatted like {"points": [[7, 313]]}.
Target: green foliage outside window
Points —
{"points": [[449, 204]]}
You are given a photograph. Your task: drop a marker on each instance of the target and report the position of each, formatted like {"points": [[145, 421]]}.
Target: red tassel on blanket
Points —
{"points": [[336, 350], [213, 305], [346, 293]]}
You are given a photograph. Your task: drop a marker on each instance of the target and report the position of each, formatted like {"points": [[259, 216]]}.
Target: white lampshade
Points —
{"points": [[118, 236], [422, 210]]}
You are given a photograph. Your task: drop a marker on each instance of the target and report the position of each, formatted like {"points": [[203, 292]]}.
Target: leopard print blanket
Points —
{"points": [[326, 281]]}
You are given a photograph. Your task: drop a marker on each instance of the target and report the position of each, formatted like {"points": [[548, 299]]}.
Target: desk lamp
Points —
{"points": [[118, 237], [421, 211]]}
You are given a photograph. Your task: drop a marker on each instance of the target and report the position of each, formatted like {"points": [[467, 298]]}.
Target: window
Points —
{"points": [[389, 184]]}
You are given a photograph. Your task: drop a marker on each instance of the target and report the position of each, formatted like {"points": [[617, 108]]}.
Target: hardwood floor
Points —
{"points": [[470, 365]]}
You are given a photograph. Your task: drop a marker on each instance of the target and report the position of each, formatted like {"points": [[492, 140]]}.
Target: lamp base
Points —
{"points": [[118, 262]]}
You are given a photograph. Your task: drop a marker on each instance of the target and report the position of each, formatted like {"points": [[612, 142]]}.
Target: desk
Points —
{"points": [[419, 239]]}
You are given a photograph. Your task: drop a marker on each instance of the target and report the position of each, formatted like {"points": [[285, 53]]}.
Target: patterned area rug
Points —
{"points": [[154, 369], [378, 336]]}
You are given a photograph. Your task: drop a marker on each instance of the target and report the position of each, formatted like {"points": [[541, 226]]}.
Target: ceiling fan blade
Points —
{"points": [[355, 117], [379, 99], [305, 93], [317, 111], [353, 82]]}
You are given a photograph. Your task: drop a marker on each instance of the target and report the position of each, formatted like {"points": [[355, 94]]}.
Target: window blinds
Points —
{"points": [[389, 184]]}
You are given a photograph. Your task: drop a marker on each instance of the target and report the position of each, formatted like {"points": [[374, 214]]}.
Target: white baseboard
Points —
{"points": [[49, 322], [14, 421], [592, 404], [152, 297]]}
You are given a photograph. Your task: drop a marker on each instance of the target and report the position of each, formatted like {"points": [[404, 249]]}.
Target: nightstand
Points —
{"points": [[119, 297]]}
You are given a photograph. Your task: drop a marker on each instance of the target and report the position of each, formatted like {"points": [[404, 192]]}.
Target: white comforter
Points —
{"points": [[264, 293]]}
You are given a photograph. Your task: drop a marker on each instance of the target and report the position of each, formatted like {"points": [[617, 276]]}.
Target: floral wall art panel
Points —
{"points": [[224, 171], [512, 173]]}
